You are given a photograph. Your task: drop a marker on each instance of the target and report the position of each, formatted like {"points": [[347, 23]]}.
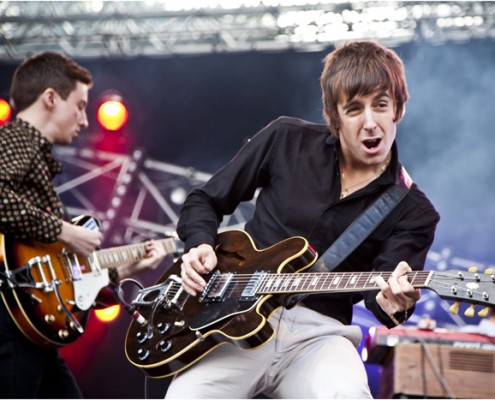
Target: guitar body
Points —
{"points": [[50, 302], [180, 329]]}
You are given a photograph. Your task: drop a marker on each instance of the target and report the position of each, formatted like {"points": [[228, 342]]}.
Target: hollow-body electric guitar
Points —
{"points": [[243, 291], [48, 290]]}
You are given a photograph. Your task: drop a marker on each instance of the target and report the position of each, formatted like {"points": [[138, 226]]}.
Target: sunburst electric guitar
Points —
{"points": [[245, 288], [48, 290]]}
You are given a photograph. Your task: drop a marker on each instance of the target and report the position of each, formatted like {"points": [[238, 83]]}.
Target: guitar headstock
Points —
{"points": [[465, 286]]}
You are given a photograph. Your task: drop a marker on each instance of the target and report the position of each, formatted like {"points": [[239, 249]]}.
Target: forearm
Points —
{"points": [[23, 221]]}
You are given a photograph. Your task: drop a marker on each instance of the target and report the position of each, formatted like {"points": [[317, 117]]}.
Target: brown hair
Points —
{"points": [[360, 68], [46, 70]]}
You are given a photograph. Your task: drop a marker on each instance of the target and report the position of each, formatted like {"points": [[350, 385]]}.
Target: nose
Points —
{"points": [[83, 122], [369, 120]]}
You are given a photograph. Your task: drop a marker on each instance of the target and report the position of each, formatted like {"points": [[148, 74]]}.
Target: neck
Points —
{"points": [[353, 179], [37, 119]]}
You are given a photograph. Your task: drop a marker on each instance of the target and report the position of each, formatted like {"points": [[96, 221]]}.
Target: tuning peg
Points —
{"points": [[454, 308], [473, 269], [484, 312], [469, 311], [489, 271]]}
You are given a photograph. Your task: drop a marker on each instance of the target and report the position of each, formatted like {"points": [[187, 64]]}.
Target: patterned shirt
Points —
{"points": [[29, 205]]}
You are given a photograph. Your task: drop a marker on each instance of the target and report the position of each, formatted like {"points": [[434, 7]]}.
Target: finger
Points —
{"points": [[192, 278]]}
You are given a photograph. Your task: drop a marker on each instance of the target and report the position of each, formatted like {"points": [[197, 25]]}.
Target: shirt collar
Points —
{"points": [[44, 145]]}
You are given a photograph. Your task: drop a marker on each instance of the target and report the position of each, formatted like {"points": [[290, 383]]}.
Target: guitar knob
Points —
{"points": [[473, 269], [143, 354], [164, 345], [484, 312], [141, 337], [470, 311], [489, 271], [163, 328], [63, 333], [49, 318], [454, 308]]}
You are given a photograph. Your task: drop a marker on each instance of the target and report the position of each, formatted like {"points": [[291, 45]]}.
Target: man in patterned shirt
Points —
{"points": [[50, 95]]}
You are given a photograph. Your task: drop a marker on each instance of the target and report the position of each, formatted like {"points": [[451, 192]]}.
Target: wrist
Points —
{"points": [[398, 318], [113, 274]]}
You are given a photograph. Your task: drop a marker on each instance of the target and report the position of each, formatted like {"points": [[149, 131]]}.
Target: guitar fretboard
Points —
{"points": [[115, 256], [330, 281]]}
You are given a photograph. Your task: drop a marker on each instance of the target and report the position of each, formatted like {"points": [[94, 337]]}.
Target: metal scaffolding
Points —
{"points": [[134, 197], [94, 29]]}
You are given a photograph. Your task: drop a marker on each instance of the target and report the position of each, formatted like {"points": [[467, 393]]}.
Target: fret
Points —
{"points": [[315, 280], [286, 282], [353, 280], [336, 280], [296, 281]]}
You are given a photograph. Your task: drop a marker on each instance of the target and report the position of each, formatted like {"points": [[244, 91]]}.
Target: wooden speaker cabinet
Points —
{"points": [[417, 370]]}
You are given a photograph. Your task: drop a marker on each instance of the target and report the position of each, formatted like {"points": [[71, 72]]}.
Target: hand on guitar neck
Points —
{"points": [[155, 253]]}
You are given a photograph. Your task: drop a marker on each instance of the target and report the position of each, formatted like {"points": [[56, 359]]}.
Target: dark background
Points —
{"points": [[196, 111]]}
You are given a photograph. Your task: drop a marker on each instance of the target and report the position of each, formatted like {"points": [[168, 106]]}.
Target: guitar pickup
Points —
{"points": [[216, 287], [249, 292]]}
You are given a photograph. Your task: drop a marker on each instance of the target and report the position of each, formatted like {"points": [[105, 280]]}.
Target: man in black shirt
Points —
{"points": [[315, 180]]}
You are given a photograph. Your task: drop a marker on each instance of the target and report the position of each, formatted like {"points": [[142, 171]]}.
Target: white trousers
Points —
{"points": [[311, 356]]}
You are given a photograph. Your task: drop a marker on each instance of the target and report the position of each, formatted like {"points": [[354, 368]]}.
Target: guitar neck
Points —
{"points": [[326, 282], [116, 256]]}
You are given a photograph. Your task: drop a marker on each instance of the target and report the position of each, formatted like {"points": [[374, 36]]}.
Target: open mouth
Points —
{"points": [[371, 143]]}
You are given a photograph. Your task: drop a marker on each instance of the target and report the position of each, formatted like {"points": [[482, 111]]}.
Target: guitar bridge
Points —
{"points": [[23, 278]]}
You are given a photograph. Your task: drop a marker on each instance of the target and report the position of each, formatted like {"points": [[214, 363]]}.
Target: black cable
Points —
{"points": [[131, 309]]}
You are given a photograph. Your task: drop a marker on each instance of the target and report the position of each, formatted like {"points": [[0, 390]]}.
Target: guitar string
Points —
{"points": [[247, 278]]}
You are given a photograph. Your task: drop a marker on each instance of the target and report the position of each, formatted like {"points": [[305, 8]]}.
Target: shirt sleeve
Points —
{"points": [[19, 217], [236, 182], [410, 241]]}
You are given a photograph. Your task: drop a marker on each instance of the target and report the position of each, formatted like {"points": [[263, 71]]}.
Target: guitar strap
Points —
{"points": [[358, 231]]}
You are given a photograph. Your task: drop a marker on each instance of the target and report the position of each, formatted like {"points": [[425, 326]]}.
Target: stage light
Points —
{"points": [[112, 114], [108, 314], [5, 111]]}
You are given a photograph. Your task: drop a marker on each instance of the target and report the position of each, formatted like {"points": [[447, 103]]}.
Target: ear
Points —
{"points": [[48, 97], [402, 114]]}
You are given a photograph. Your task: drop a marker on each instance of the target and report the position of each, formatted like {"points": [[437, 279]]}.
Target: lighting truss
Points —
{"points": [[133, 197], [93, 29]]}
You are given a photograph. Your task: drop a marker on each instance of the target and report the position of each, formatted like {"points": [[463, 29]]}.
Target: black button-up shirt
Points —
{"points": [[295, 163]]}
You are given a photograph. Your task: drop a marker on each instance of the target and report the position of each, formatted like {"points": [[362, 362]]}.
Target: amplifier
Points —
{"points": [[380, 340], [430, 370]]}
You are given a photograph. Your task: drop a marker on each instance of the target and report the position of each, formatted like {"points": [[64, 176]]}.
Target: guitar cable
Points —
{"points": [[131, 309]]}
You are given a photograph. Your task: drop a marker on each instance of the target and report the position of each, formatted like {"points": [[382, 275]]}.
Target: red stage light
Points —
{"points": [[112, 115], [5, 111]]}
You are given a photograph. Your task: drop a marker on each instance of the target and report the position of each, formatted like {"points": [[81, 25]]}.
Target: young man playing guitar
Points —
{"points": [[315, 180], [50, 95]]}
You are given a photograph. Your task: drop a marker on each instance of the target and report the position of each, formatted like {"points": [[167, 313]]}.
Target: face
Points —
{"points": [[367, 130], [69, 116]]}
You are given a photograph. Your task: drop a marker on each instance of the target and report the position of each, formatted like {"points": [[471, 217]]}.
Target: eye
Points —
{"points": [[353, 109]]}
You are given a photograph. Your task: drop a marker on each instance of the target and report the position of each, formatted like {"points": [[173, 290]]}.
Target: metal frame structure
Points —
{"points": [[134, 197], [86, 29]]}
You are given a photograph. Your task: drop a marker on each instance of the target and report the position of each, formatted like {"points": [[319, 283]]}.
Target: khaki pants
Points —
{"points": [[311, 356]]}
